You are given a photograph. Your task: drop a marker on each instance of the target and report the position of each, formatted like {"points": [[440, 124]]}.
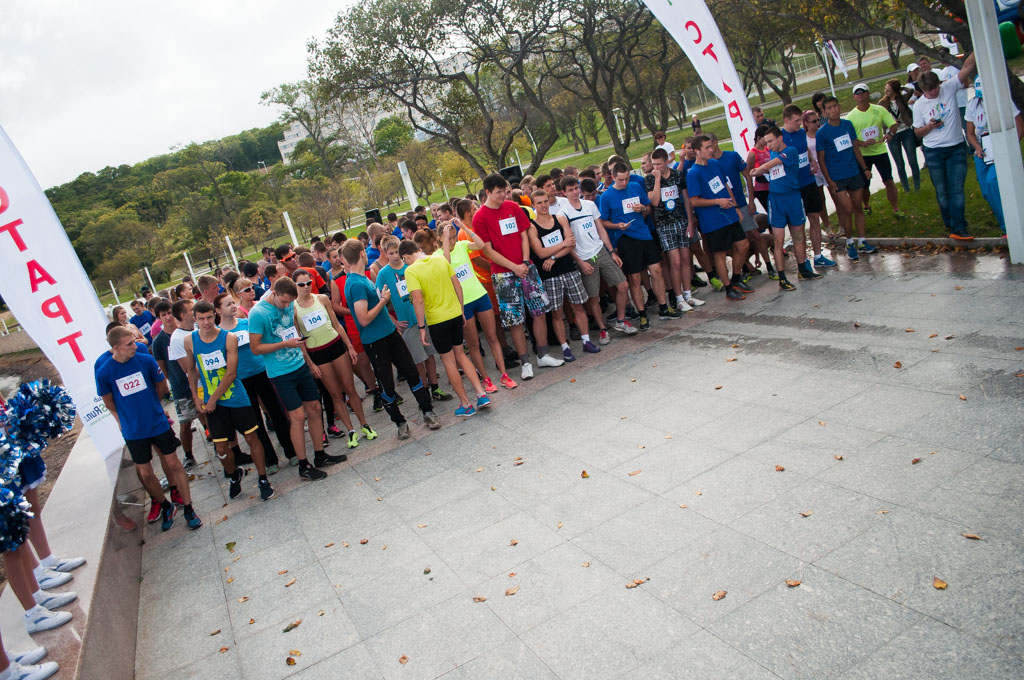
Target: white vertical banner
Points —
{"points": [[403, 170], [291, 230], [837, 58], [47, 290], [691, 24]]}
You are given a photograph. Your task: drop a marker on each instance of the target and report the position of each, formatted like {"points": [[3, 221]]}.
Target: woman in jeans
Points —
{"points": [[903, 141]]}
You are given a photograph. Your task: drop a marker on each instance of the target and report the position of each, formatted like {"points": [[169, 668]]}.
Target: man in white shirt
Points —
{"points": [[661, 142], [937, 123], [978, 140]]}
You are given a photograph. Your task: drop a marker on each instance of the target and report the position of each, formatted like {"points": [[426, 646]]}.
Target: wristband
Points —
{"points": [[422, 328]]}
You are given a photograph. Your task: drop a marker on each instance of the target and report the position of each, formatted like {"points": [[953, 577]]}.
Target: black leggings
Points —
{"points": [[259, 388], [391, 351]]}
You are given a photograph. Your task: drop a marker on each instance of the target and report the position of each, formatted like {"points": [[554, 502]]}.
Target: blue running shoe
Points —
{"points": [[193, 519], [822, 261], [465, 411], [867, 248], [851, 252], [483, 401], [168, 513]]}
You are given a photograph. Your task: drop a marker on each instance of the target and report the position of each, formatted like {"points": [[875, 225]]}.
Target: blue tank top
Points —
{"points": [[249, 364], [212, 359]]}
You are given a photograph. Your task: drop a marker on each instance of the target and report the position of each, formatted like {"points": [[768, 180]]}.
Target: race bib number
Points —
{"points": [[289, 333], [314, 320], [130, 384], [870, 134], [669, 193], [628, 203], [243, 338], [403, 288], [777, 172], [211, 361], [843, 143], [508, 226], [145, 328], [715, 184], [461, 272], [588, 226], [804, 160], [552, 239]]}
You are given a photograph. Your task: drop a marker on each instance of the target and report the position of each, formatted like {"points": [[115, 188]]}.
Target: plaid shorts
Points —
{"points": [[514, 294], [569, 283], [671, 235], [185, 409]]}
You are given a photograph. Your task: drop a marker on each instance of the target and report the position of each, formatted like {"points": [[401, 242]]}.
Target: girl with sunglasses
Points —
{"points": [[244, 295]]}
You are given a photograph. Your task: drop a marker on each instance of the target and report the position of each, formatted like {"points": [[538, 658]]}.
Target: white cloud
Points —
{"points": [[88, 84]]}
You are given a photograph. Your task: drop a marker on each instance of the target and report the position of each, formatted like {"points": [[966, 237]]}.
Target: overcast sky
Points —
{"points": [[91, 83]]}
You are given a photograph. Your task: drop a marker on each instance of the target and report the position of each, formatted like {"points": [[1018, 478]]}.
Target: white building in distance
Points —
{"points": [[292, 136]]}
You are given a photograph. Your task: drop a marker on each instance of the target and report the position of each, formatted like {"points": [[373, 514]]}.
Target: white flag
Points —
{"points": [[837, 58], [46, 288], [691, 24]]}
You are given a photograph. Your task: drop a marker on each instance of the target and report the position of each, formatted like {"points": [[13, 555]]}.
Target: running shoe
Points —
{"points": [[311, 473], [440, 395], [773, 274], [49, 578], [683, 305], [272, 469], [21, 671], [27, 658], [899, 214], [507, 382], [851, 252], [784, 284], [866, 248], [190, 461], [698, 282], [54, 600], [718, 285], [266, 490], [369, 432], [176, 497], [293, 461], [378, 405], [574, 332], [568, 355], [489, 385], [465, 411], [549, 361], [742, 287], [192, 519], [745, 277], [235, 485], [430, 419], [154, 512], [694, 301], [961, 237], [822, 261], [625, 327], [733, 294], [644, 324], [335, 432], [526, 373], [602, 337], [590, 348], [325, 459], [672, 313], [806, 273], [403, 430], [353, 439], [483, 401], [39, 619], [167, 513], [243, 458]]}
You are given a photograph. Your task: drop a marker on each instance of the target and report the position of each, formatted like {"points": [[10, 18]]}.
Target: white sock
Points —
{"points": [[585, 337], [37, 571], [35, 611], [565, 345], [680, 299], [851, 241], [861, 240], [38, 596], [687, 294], [49, 562]]}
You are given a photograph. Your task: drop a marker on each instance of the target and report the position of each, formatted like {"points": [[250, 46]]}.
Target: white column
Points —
{"points": [[113, 290], [188, 262], [231, 249], [150, 278], [403, 170], [291, 230], [988, 50]]}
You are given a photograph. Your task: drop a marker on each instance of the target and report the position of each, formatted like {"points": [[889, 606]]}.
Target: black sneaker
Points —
{"points": [[511, 358], [266, 490], [631, 313], [808, 273], [235, 487], [325, 459], [190, 461], [644, 324], [670, 313], [574, 332], [438, 394], [192, 519], [698, 282], [784, 284], [310, 473], [378, 405], [732, 294], [243, 459], [742, 287], [651, 300]]}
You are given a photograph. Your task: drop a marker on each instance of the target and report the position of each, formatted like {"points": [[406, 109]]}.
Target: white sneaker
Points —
{"points": [[55, 600], [694, 301], [39, 619], [682, 306], [48, 578], [66, 564], [527, 371], [21, 672], [549, 361], [29, 657]]}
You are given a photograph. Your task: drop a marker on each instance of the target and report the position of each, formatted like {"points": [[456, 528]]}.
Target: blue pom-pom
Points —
{"points": [[38, 412], [15, 513]]}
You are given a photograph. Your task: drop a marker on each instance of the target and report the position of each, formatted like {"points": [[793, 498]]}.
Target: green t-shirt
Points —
{"points": [[472, 289], [871, 125]]}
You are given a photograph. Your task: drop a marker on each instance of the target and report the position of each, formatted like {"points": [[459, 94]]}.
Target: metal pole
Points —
{"points": [[188, 263], [988, 51], [518, 162], [6, 332], [232, 250], [824, 56], [150, 278], [403, 170], [291, 230], [113, 290]]}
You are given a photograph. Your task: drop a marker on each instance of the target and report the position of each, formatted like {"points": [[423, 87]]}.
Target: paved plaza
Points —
{"points": [[815, 456]]}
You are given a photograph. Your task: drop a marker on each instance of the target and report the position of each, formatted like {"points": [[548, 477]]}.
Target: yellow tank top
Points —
{"points": [[315, 324]]}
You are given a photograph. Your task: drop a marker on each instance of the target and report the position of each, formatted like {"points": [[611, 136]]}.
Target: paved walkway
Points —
{"points": [[808, 437]]}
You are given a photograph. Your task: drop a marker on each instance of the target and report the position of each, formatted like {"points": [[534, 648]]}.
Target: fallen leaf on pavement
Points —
{"points": [[807, 513], [222, 519], [586, 564], [958, 287], [734, 345], [584, 475], [427, 453], [949, 337], [379, 498], [635, 583], [383, 547], [344, 544], [513, 542], [244, 598], [517, 458], [634, 473], [511, 574], [729, 361], [933, 335], [321, 612], [519, 462], [231, 580], [494, 488], [328, 545], [973, 537], [479, 469], [216, 632], [421, 526], [252, 621], [512, 591], [230, 546], [718, 387], [376, 479], [560, 525], [719, 595], [883, 512], [364, 541], [779, 468], [700, 493], [963, 398], [290, 661], [838, 457], [938, 583], [856, 324], [792, 584], [403, 659], [572, 380], [479, 599], [290, 583], [632, 380], [292, 626], [910, 330], [223, 649], [915, 461], [295, 652], [282, 572], [821, 422], [426, 570], [683, 505], [897, 365]]}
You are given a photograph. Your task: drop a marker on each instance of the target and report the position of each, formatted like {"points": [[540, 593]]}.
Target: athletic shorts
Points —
{"points": [[325, 354], [761, 195], [672, 234], [637, 255], [569, 283], [32, 471], [811, 198], [721, 240], [850, 183], [481, 304], [785, 210], [226, 420], [417, 349], [446, 335], [605, 270], [353, 333], [881, 163], [141, 450], [748, 223], [296, 387], [185, 409], [516, 296]]}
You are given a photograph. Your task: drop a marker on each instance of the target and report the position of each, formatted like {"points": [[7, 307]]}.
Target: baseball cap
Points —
{"points": [[861, 87], [911, 67]]}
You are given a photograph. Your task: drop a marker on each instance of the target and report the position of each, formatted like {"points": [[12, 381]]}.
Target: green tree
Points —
{"points": [[391, 134]]}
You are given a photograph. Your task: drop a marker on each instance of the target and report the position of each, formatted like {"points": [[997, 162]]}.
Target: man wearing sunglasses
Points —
{"points": [[287, 256]]}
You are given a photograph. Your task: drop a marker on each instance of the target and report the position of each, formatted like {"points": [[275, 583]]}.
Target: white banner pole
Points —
{"points": [[231, 248], [150, 279], [47, 290], [403, 170], [113, 290], [188, 263], [291, 230]]}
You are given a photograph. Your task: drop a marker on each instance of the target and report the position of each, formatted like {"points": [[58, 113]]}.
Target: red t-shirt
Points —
{"points": [[318, 281], [502, 228]]}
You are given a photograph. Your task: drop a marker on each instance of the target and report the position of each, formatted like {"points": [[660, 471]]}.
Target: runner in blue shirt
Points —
{"points": [[785, 207], [131, 386], [143, 319], [717, 216], [738, 174], [795, 136]]}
